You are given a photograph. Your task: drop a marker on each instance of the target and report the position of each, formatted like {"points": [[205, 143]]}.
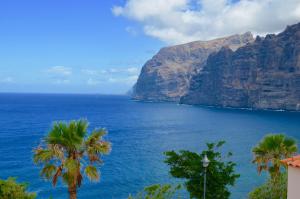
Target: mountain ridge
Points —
{"points": [[262, 75], [166, 76]]}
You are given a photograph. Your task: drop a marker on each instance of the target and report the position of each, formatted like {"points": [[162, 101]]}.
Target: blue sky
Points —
{"points": [[99, 46], [69, 46]]}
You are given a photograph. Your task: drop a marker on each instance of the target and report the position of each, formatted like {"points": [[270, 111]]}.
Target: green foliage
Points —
{"points": [[91, 172], [270, 150], [188, 165], [10, 189], [267, 155], [271, 189], [158, 191], [68, 150]]}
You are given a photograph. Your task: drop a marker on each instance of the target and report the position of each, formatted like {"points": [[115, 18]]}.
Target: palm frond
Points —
{"points": [[48, 171], [270, 150], [42, 155], [79, 178], [72, 165], [92, 173], [65, 149], [57, 151], [95, 136], [68, 178], [57, 174], [81, 128]]}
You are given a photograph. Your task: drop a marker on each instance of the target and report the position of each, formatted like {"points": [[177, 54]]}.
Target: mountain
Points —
{"points": [[264, 74], [166, 77]]}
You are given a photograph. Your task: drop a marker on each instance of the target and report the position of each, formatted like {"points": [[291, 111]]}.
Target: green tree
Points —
{"points": [[267, 155], [69, 152], [188, 165], [10, 189], [158, 191], [270, 150], [271, 190]]}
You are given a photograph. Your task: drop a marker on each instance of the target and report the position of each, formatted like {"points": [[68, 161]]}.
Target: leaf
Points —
{"points": [[270, 150], [72, 165], [65, 149], [188, 166], [220, 143], [92, 173], [10, 189], [67, 178], [158, 191], [48, 171], [42, 155], [56, 175], [79, 178]]}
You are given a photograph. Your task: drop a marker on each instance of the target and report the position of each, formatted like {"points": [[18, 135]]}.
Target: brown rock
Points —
{"points": [[166, 77], [262, 75]]}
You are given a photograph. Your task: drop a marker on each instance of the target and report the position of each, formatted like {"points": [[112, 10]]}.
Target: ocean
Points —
{"points": [[139, 132]]}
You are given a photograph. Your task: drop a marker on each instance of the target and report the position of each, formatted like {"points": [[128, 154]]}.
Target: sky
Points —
{"points": [[100, 46]]}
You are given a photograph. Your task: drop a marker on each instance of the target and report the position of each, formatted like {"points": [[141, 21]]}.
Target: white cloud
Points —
{"points": [[94, 72], [111, 71], [92, 82], [132, 79], [116, 75], [89, 72], [61, 81], [124, 80], [179, 21], [132, 31], [133, 70], [60, 71], [7, 80], [114, 70], [117, 10], [60, 74]]}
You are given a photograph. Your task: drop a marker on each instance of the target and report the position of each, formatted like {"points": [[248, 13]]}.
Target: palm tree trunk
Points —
{"points": [[73, 192]]}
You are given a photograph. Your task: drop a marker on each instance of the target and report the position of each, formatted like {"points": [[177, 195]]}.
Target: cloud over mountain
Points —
{"points": [[180, 21]]}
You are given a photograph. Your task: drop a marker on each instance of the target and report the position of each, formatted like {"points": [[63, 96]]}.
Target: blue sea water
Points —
{"points": [[139, 132]]}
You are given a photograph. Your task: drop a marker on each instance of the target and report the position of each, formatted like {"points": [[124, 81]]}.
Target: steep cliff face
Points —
{"points": [[167, 75], [262, 75]]}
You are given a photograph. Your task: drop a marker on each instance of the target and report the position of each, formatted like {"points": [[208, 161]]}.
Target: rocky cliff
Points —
{"points": [[167, 75], [262, 75]]}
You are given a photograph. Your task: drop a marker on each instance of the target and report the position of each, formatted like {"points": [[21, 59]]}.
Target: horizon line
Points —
{"points": [[61, 93]]}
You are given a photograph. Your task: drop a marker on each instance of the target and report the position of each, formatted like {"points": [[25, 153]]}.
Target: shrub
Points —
{"points": [[10, 189], [271, 190], [158, 191]]}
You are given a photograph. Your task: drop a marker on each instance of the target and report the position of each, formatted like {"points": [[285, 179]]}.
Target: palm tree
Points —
{"points": [[69, 152], [270, 150]]}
